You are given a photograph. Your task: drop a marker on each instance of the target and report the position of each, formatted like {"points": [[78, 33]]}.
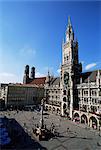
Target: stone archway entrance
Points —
{"points": [[76, 118], [84, 119], [93, 122], [76, 115]]}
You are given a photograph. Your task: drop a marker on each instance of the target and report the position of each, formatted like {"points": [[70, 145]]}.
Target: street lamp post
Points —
{"points": [[42, 120]]}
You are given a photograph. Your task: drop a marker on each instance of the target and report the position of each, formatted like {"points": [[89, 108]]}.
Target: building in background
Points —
{"points": [[31, 79], [27, 79], [21, 95], [31, 92]]}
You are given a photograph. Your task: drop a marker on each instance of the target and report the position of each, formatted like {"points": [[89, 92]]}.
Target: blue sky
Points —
{"points": [[32, 32]]}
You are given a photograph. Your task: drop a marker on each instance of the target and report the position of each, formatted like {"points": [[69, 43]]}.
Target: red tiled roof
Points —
{"points": [[38, 81]]}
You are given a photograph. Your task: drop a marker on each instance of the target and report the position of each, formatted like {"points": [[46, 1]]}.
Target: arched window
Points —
{"points": [[64, 99], [64, 92], [64, 106]]}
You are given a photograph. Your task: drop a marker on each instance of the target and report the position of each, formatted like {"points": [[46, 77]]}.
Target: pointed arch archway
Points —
{"points": [[93, 122], [84, 119], [76, 117]]}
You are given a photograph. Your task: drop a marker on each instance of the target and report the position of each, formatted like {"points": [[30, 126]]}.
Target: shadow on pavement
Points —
{"points": [[19, 137], [71, 135]]}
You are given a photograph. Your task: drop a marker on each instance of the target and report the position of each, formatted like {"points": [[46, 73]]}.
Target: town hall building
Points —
{"points": [[74, 94]]}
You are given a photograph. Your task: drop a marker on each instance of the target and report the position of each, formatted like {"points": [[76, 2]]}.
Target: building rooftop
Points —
{"points": [[55, 81], [38, 81], [25, 85], [89, 75]]}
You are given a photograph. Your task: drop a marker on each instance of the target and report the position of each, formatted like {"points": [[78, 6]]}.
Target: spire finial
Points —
{"points": [[69, 21], [69, 24], [69, 31], [48, 73]]}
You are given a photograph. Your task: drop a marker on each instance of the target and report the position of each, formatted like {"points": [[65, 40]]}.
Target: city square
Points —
{"points": [[72, 136], [50, 75]]}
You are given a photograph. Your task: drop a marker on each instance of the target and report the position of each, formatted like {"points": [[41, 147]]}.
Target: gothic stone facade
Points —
{"points": [[74, 92], [52, 94]]}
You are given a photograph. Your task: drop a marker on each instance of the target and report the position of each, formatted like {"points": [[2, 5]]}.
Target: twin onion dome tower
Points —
{"points": [[27, 78]]}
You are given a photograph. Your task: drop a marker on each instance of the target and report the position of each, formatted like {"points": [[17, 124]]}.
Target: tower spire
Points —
{"points": [[69, 25], [69, 22], [69, 31]]}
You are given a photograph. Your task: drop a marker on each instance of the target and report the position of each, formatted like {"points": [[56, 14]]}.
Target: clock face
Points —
{"points": [[66, 78]]}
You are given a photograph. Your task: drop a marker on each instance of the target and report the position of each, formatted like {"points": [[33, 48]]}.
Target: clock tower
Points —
{"points": [[70, 72]]}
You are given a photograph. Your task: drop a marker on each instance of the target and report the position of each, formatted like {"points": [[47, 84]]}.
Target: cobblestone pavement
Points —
{"points": [[78, 137]]}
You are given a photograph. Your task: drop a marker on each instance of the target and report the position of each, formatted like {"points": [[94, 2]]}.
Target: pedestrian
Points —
{"points": [[67, 130]]}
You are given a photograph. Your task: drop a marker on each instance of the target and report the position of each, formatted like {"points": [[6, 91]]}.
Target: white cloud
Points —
{"points": [[28, 51], [8, 78], [38, 74], [58, 71], [89, 66]]}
